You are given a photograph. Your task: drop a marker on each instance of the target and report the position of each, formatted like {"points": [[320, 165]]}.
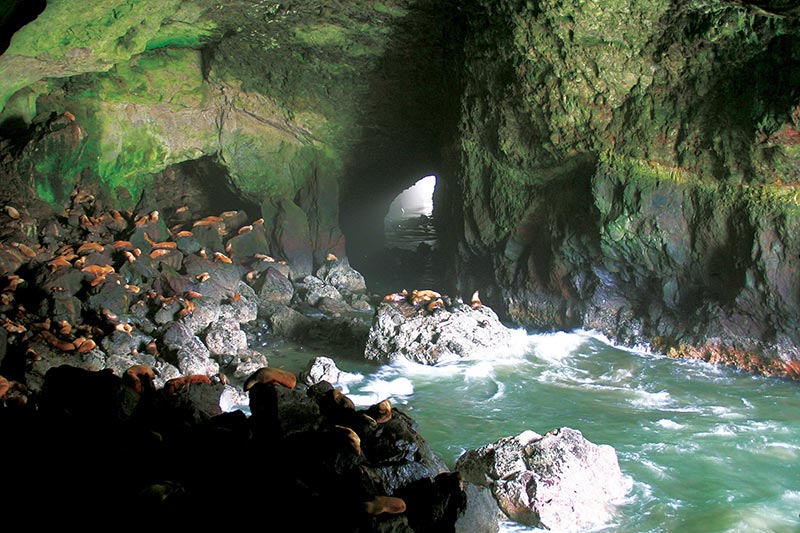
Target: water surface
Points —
{"points": [[706, 448]]}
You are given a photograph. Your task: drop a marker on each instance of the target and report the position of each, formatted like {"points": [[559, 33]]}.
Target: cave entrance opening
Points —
{"points": [[410, 240]]}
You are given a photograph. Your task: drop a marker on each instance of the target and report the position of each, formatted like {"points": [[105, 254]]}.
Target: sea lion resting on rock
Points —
{"points": [[270, 375], [182, 383], [423, 296], [139, 377], [385, 504]]}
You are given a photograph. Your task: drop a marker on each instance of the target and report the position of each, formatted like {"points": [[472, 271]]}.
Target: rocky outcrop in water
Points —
{"points": [[428, 330], [557, 481]]}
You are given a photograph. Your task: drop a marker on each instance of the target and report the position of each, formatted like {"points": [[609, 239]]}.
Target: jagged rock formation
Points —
{"points": [[604, 166], [558, 481], [426, 333]]}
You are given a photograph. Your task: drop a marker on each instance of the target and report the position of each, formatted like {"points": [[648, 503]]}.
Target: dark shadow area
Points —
{"points": [[199, 188], [14, 14], [406, 119]]}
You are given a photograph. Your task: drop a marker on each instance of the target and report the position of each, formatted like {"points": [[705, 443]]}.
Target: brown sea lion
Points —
{"points": [[182, 383], [475, 301], [396, 296], [139, 377], [354, 441], [423, 296], [381, 412], [385, 504], [270, 375]]}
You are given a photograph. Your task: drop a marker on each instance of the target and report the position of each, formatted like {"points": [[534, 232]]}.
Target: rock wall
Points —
{"points": [[622, 165], [632, 167]]}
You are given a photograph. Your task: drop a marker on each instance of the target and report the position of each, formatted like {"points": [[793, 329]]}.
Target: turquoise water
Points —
{"points": [[707, 449]]}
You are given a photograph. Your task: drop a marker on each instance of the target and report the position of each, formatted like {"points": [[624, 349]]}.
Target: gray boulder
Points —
{"points": [[320, 369], [316, 289], [243, 307], [226, 338], [191, 354], [342, 276], [557, 481], [400, 329], [277, 287]]}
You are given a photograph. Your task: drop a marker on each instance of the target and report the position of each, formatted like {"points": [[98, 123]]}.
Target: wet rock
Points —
{"points": [[245, 363], [276, 287], [398, 454], [190, 353], [249, 243], [333, 307], [205, 313], [342, 276], [314, 289], [122, 344], [285, 321], [225, 338], [163, 371], [320, 369], [556, 481], [403, 330], [481, 512], [242, 307]]}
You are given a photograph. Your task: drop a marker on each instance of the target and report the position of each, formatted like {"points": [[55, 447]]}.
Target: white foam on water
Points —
{"points": [[781, 451], [659, 470], [377, 390], [764, 518], [481, 370], [556, 347], [346, 379], [721, 430], [670, 424], [644, 399]]}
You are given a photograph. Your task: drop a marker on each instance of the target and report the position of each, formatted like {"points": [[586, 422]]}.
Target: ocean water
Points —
{"points": [[705, 448]]}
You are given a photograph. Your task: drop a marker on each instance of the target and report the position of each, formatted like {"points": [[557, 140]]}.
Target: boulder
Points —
{"points": [[342, 276], [320, 369], [400, 329], [277, 287], [225, 338], [557, 481], [191, 354]]}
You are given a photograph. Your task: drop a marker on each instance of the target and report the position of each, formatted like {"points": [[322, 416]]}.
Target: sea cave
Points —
{"points": [[478, 220]]}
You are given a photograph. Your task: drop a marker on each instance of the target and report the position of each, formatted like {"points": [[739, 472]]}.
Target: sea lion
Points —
{"points": [[219, 256], [434, 305], [86, 346], [353, 440], [182, 383], [12, 212], [475, 301], [140, 377], [401, 296], [423, 296], [385, 504], [381, 412], [270, 375], [55, 342]]}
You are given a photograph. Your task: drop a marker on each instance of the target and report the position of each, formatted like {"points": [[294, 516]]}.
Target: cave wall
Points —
{"points": [[285, 96], [632, 167], [619, 165]]}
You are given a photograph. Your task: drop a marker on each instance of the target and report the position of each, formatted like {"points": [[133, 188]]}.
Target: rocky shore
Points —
{"points": [[129, 381]]}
